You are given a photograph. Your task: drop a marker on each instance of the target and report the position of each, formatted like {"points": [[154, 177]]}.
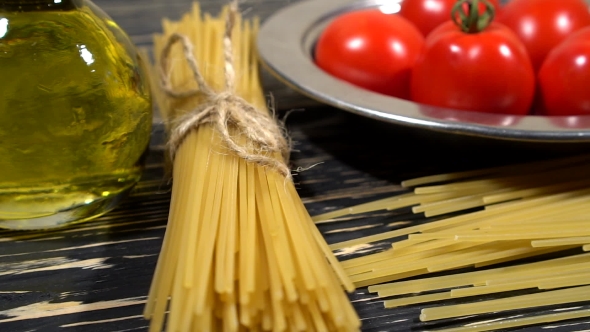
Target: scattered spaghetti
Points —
{"points": [[484, 218]]}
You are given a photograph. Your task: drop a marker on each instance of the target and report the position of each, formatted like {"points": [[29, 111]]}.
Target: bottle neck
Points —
{"points": [[38, 5]]}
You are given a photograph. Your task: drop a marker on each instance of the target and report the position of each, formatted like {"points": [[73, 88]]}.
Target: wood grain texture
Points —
{"points": [[94, 277]]}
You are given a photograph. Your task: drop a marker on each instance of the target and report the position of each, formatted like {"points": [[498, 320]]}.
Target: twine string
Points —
{"points": [[225, 109]]}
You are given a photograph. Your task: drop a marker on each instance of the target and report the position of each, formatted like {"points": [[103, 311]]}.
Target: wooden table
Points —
{"points": [[95, 276]]}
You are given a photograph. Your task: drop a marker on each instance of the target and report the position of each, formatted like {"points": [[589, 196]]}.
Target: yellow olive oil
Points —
{"points": [[75, 113]]}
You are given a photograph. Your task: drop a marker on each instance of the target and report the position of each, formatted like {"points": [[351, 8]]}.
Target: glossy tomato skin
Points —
{"points": [[429, 14], [564, 77], [372, 50], [488, 71], [543, 24]]}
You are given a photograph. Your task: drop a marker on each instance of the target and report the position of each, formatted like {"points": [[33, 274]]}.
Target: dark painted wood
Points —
{"points": [[95, 276]]}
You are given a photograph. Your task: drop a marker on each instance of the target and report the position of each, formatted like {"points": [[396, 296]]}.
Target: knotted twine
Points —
{"points": [[225, 109]]}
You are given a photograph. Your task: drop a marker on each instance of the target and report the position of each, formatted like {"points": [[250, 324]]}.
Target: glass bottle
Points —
{"points": [[75, 113]]}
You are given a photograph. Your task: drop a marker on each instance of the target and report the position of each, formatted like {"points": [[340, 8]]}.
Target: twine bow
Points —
{"points": [[224, 109]]}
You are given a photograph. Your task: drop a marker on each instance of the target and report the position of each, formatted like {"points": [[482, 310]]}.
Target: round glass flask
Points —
{"points": [[75, 113]]}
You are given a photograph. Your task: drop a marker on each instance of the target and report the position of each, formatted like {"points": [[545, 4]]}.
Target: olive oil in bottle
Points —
{"points": [[75, 113]]}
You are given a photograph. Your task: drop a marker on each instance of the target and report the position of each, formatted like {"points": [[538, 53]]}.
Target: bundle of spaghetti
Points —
{"points": [[497, 215], [240, 251]]}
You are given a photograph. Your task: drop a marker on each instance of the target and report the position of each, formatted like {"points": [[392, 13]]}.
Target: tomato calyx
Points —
{"points": [[466, 15]]}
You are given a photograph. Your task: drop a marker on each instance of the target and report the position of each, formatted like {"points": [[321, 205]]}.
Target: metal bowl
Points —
{"points": [[285, 45]]}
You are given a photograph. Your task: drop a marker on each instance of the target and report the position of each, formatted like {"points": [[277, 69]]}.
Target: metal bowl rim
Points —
{"points": [[285, 43]]}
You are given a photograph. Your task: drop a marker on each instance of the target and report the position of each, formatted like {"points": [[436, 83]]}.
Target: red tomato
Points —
{"points": [[564, 78], [372, 50], [543, 24], [428, 14], [488, 71]]}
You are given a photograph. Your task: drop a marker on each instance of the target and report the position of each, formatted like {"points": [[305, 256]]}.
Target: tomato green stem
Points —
{"points": [[466, 15]]}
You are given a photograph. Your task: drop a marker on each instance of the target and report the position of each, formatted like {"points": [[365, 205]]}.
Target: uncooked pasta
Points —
{"points": [[240, 250], [496, 215]]}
